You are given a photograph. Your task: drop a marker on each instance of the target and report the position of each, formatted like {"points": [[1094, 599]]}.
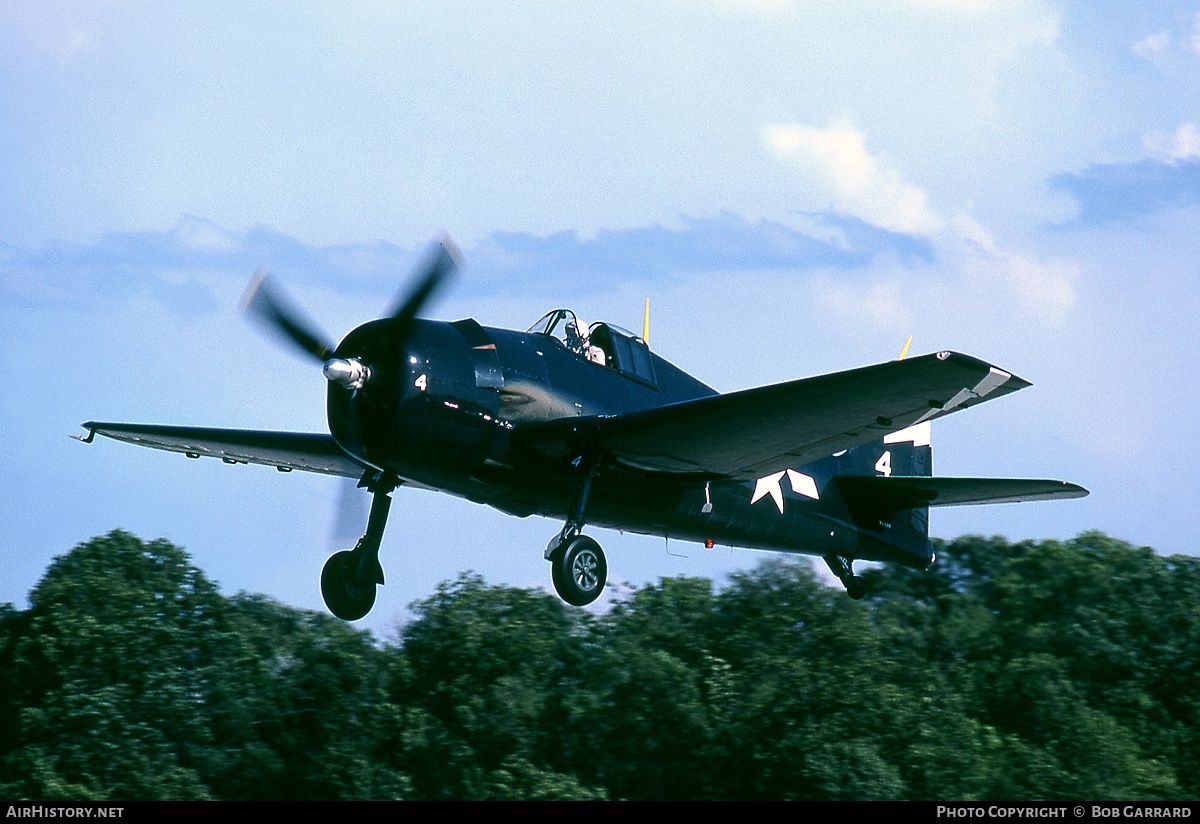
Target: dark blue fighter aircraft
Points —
{"points": [[585, 424]]}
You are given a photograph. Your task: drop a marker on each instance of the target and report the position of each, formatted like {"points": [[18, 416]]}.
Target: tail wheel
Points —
{"points": [[579, 571], [346, 597], [856, 587]]}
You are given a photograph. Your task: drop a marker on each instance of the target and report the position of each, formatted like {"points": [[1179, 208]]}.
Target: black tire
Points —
{"points": [[556, 575], [345, 597], [580, 571], [856, 588]]}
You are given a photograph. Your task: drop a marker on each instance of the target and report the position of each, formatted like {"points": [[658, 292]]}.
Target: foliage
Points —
{"points": [[1029, 670]]}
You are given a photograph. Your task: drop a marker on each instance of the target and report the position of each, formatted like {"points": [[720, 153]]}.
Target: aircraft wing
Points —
{"points": [[748, 434], [283, 450]]}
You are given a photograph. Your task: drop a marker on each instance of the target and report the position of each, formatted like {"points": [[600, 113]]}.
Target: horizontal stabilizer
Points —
{"points": [[883, 496], [284, 450]]}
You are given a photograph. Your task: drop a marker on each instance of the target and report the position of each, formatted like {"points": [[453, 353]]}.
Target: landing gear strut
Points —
{"points": [[349, 578], [843, 568], [578, 567]]}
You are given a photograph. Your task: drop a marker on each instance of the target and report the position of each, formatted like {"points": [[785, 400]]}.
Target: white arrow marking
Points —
{"points": [[803, 484], [769, 486]]}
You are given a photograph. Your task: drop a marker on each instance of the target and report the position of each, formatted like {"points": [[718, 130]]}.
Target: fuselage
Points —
{"points": [[450, 409]]}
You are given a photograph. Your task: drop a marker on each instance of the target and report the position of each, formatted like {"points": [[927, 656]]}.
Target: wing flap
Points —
{"points": [[748, 434], [285, 451]]}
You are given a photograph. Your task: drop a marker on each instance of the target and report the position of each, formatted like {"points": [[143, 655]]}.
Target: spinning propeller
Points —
{"points": [[266, 302]]}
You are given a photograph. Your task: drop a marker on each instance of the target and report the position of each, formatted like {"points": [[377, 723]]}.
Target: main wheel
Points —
{"points": [[346, 597], [579, 571]]}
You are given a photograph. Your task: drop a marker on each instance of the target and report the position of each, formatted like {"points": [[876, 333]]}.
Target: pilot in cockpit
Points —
{"points": [[576, 336], [579, 341]]}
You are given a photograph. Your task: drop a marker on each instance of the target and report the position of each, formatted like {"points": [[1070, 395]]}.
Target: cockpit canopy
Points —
{"points": [[603, 344], [554, 324]]}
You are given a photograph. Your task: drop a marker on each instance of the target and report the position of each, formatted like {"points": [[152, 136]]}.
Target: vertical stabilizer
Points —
{"points": [[905, 453]]}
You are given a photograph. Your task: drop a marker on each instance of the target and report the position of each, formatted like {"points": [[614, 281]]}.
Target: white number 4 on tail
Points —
{"points": [[884, 465]]}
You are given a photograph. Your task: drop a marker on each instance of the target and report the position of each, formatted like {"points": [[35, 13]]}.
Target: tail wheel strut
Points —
{"points": [[843, 568]]}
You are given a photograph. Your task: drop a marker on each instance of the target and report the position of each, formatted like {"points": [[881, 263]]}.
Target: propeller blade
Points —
{"points": [[268, 304], [443, 260]]}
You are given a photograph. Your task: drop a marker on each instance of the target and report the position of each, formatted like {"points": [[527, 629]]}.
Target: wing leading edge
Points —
{"points": [[745, 435], [283, 450]]}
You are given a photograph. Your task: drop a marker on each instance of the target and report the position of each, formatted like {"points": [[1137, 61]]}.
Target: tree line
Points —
{"points": [[1039, 669]]}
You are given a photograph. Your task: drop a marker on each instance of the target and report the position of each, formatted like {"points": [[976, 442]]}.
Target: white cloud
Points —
{"points": [[972, 279], [1183, 143], [760, 5], [1046, 288], [1161, 43], [1153, 45], [863, 186], [62, 33], [881, 305], [971, 231], [204, 236], [969, 6], [859, 183]]}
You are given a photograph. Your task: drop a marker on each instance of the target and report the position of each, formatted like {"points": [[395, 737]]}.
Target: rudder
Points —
{"points": [[905, 453]]}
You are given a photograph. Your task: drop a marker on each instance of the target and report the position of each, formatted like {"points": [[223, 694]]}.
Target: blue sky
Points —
{"points": [[796, 186]]}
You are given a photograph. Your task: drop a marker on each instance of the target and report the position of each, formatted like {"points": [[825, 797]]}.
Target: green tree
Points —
{"points": [[132, 677], [108, 674], [1009, 670], [490, 679]]}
